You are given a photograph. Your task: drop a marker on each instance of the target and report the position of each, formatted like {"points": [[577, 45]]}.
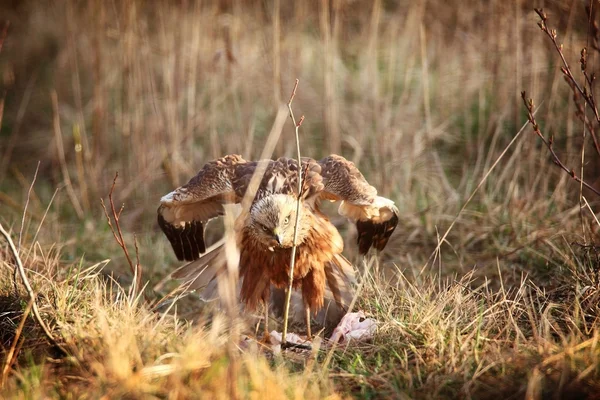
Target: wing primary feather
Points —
{"points": [[192, 239], [180, 245], [372, 234], [199, 237], [170, 232], [375, 217], [184, 234], [187, 241], [184, 212]]}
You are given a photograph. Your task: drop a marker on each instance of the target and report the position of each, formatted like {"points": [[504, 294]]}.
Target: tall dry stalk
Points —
{"points": [[288, 293]]}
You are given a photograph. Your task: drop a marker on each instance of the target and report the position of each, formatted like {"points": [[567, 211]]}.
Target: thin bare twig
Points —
{"points": [[288, 297], [587, 81], [23, 222], [37, 168], [29, 289], [136, 270], [591, 211], [549, 142], [587, 96], [37, 232], [593, 26]]}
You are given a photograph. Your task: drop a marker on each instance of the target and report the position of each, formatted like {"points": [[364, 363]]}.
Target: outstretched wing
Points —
{"points": [[184, 213], [376, 217]]}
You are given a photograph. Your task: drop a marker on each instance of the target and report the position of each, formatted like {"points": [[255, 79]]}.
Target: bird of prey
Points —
{"points": [[264, 232]]}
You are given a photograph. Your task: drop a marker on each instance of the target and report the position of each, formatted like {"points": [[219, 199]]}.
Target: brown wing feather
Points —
{"points": [[184, 213], [281, 177], [373, 234], [343, 181], [376, 217]]}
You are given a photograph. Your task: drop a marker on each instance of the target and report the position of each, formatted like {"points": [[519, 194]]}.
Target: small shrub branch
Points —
{"points": [[136, 269], [549, 143], [586, 94]]}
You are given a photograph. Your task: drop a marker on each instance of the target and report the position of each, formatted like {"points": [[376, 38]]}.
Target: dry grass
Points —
{"points": [[119, 348], [424, 98]]}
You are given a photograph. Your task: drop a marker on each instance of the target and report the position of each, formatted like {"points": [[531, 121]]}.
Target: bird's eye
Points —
{"points": [[265, 228], [286, 220]]}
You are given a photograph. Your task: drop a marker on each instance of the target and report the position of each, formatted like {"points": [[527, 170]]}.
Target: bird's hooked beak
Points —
{"points": [[278, 236]]}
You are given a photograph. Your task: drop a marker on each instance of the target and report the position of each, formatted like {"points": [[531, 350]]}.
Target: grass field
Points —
{"points": [[489, 287]]}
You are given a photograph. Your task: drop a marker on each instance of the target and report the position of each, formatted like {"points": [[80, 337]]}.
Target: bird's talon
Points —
{"points": [[301, 346]]}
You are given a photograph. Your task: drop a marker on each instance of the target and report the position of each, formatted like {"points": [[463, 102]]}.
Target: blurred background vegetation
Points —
{"points": [[422, 95]]}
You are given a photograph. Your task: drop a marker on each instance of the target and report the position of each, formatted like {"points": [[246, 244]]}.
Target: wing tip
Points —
{"points": [[187, 241], [376, 234]]}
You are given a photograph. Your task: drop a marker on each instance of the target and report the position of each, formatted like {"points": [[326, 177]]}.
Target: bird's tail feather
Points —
{"points": [[340, 280], [201, 272]]}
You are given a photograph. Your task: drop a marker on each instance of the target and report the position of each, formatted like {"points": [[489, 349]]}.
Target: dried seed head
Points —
{"points": [[583, 59]]}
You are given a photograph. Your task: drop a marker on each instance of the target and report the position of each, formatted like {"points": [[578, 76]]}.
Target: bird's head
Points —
{"points": [[272, 220]]}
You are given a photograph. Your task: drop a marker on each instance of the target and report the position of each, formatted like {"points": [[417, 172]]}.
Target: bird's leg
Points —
{"points": [[265, 300], [267, 336], [307, 316], [300, 346]]}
